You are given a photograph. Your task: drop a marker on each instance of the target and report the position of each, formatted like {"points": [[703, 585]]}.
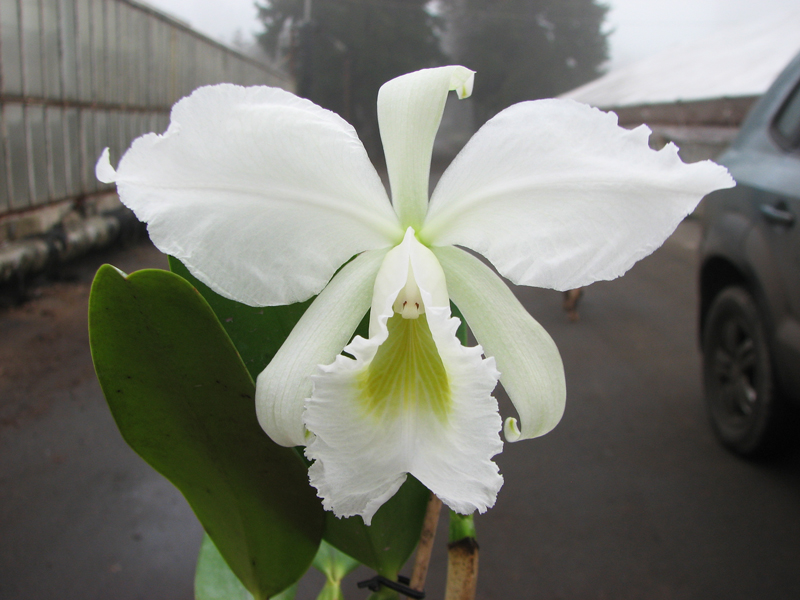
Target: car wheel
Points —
{"points": [[737, 371]]}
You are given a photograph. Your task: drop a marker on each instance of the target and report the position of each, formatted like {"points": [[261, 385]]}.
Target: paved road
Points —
{"points": [[630, 497]]}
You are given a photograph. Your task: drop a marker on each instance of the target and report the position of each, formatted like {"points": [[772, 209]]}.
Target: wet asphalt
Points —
{"points": [[629, 498]]}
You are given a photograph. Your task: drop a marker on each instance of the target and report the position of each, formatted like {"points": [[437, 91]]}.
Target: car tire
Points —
{"points": [[740, 393]]}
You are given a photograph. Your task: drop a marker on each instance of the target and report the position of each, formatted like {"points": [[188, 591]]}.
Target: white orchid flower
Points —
{"points": [[264, 196]]}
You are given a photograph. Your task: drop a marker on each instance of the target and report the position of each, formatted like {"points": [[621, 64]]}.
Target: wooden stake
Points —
{"points": [[462, 569], [423, 556]]}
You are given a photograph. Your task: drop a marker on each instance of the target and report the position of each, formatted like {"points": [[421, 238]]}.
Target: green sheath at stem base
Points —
{"points": [[461, 526]]}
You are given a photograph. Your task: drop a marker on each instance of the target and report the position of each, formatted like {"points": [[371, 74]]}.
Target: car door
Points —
{"points": [[779, 208]]}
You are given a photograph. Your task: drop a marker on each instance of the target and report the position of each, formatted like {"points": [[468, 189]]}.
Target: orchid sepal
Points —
{"points": [[415, 99], [556, 195]]}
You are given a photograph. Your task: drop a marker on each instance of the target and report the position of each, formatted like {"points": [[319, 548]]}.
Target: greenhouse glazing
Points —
{"points": [[79, 75]]}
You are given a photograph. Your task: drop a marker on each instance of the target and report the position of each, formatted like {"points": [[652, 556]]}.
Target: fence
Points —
{"points": [[79, 75]]}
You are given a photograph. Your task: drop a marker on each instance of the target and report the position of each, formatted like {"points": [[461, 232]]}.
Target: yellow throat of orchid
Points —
{"points": [[407, 373]]}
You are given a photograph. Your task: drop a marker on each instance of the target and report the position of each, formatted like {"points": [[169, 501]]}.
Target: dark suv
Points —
{"points": [[750, 277]]}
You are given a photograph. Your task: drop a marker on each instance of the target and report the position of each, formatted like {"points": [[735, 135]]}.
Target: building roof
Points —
{"points": [[736, 62]]}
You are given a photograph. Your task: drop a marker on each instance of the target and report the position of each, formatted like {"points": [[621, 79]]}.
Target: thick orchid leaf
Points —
{"points": [[386, 545], [287, 594], [183, 400], [214, 579], [257, 333]]}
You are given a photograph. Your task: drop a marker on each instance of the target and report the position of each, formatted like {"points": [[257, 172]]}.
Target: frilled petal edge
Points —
{"points": [[530, 365], [319, 336], [261, 194], [555, 194]]}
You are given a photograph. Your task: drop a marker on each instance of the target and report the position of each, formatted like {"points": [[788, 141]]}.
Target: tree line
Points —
{"points": [[341, 51]]}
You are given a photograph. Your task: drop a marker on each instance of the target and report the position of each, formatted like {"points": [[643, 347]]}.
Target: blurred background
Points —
{"points": [[630, 497]]}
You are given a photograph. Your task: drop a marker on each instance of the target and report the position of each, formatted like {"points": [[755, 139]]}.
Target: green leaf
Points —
{"points": [[257, 333], [287, 594], [386, 545], [183, 400], [461, 332], [332, 590], [335, 565], [214, 579]]}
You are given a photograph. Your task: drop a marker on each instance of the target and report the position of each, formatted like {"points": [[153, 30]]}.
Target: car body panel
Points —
{"points": [[751, 233]]}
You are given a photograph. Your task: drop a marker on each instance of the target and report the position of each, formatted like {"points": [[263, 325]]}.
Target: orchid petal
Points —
{"points": [[410, 109], [261, 194], [444, 432], [321, 333], [530, 365], [556, 195]]}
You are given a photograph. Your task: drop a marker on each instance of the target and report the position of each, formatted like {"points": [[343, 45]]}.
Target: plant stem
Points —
{"points": [[461, 526], [425, 546], [462, 558]]}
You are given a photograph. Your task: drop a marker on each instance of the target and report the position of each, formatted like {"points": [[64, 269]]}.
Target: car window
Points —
{"points": [[786, 126]]}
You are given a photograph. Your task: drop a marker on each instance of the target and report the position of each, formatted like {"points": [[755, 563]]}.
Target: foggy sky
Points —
{"points": [[639, 27], [644, 27]]}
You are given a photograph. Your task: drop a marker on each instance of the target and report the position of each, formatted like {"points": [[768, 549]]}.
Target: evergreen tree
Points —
{"points": [[344, 50], [526, 49]]}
